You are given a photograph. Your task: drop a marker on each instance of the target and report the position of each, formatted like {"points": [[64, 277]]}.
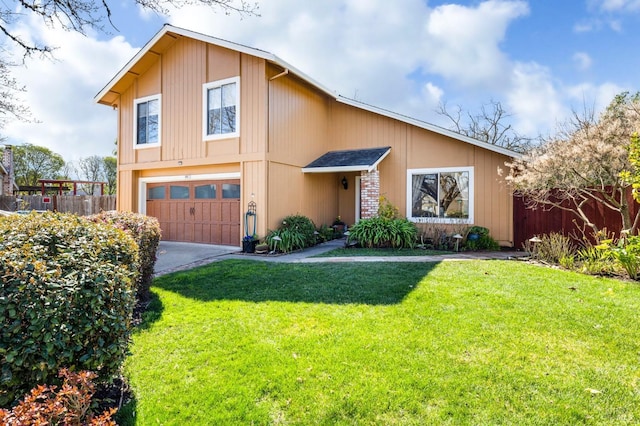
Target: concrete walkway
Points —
{"points": [[175, 256]]}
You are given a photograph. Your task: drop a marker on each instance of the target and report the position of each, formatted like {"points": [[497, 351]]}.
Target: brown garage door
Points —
{"points": [[199, 212]]}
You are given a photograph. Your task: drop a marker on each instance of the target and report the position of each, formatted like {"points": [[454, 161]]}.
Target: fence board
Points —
{"points": [[82, 205]]}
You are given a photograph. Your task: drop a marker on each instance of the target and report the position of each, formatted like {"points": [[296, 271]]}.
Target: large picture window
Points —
{"points": [[220, 106], [147, 122], [440, 195]]}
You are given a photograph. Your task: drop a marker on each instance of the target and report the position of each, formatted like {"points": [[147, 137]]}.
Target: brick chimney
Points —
{"points": [[7, 179]]}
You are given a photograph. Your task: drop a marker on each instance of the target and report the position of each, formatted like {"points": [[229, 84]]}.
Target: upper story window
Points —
{"points": [[440, 195], [221, 108], [146, 132]]}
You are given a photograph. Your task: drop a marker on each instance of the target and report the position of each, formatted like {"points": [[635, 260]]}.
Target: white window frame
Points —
{"points": [[205, 113], [412, 172], [136, 102]]}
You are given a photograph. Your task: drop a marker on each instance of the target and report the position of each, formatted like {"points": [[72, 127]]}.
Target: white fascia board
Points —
{"points": [[357, 168], [430, 127]]}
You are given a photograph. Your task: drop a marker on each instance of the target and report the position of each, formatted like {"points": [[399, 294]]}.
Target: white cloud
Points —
{"points": [[592, 97], [582, 60], [617, 5], [534, 100], [60, 93], [464, 42]]}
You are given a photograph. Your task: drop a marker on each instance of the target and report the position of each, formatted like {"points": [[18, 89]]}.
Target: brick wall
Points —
{"points": [[369, 193]]}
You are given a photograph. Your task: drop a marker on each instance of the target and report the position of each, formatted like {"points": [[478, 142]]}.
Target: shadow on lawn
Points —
{"points": [[359, 283]]}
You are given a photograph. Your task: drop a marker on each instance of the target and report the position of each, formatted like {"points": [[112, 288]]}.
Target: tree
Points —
{"points": [[490, 125], [110, 168], [91, 169], [584, 162], [32, 163]]}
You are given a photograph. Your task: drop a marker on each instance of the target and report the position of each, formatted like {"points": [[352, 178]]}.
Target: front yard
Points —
{"points": [[469, 342]]}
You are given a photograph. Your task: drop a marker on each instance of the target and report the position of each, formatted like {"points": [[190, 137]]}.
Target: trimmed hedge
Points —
{"points": [[66, 300], [145, 230]]}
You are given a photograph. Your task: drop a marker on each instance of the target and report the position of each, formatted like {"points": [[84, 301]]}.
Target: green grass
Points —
{"points": [[470, 342], [360, 251]]}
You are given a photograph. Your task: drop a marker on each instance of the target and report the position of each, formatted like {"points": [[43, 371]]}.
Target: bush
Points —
{"points": [[70, 405], [145, 231], [627, 254], [478, 238], [66, 300], [552, 247], [379, 232], [296, 232]]}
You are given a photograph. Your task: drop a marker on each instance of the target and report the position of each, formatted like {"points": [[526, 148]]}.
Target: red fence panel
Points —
{"points": [[530, 222]]}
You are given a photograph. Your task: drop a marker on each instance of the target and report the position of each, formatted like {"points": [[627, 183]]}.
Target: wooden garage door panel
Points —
{"points": [[206, 220]]}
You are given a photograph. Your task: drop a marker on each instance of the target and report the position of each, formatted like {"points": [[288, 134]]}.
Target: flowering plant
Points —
{"points": [[250, 237]]}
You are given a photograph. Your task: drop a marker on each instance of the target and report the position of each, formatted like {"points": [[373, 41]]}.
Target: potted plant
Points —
{"points": [[249, 243], [338, 227]]}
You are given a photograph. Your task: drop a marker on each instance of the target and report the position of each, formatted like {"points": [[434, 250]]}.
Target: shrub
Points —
{"points": [[440, 237], [387, 210], [296, 232], [381, 232], [325, 233], [70, 405], [478, 238], [66, 300], [552, 247], [596, 260], [145, 231], [627, 253]]}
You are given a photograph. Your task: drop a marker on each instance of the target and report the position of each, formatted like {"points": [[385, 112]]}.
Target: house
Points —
{"points": [[207, 126]]}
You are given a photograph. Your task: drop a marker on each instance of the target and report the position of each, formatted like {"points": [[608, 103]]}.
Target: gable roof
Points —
{"points": [[168, 34], [352, 160]]}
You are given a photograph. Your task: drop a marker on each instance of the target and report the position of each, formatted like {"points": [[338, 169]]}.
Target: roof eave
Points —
{"points": [[356, 168]]}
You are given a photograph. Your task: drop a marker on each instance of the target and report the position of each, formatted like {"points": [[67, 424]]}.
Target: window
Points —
{"points": [[146, 132], [206, 192], [156, 193], [230, 190], [178, 192], [221, 109], [440, 195]]}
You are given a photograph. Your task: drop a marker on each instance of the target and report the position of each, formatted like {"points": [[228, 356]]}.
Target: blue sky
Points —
{"points": [[541, 59]]}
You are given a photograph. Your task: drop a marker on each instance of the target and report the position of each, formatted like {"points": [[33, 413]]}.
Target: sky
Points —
{"points": [[542, 60]]}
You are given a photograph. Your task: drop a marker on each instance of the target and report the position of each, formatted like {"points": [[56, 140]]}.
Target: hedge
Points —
{"points": [[66, 300], [145, 230]]}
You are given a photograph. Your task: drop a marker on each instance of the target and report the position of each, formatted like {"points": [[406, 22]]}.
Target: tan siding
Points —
{"points": [[285, 192], [297, 122], [253, 104], [183, 68], [125, 133], [125, 197], [254, 188], [222, 63], [149, 83]]}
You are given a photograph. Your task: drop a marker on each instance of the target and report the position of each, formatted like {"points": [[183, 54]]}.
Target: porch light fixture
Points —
{"points": [[345, 183]]}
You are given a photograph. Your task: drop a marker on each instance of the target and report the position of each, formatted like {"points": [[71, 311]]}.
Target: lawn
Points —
{"points": [[377, 252], [468, 342]]}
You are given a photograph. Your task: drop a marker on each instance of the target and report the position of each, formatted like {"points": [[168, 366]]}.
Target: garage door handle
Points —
{"points": [[192, 211]]}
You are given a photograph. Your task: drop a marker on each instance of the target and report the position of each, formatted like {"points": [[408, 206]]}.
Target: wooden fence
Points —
{"points": [[529, 222], [82, 205]]}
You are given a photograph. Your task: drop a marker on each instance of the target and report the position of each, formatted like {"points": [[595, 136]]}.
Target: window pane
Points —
{"points": [[156, 193], [179, 192], [221, 109], [206, 191], [152, 129], [425, 195], [142, 130], [454, 195], [230, 190]]}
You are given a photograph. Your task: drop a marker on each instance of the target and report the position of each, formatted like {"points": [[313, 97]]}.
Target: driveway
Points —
{"points": [[175, 256]]}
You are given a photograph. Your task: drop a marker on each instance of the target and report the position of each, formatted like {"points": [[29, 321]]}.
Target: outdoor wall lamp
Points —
{"points": [[345, 183]]}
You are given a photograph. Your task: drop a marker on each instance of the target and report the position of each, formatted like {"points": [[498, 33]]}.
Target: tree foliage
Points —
{"points": [[583, 162], [490, 125], [32, 162]]}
